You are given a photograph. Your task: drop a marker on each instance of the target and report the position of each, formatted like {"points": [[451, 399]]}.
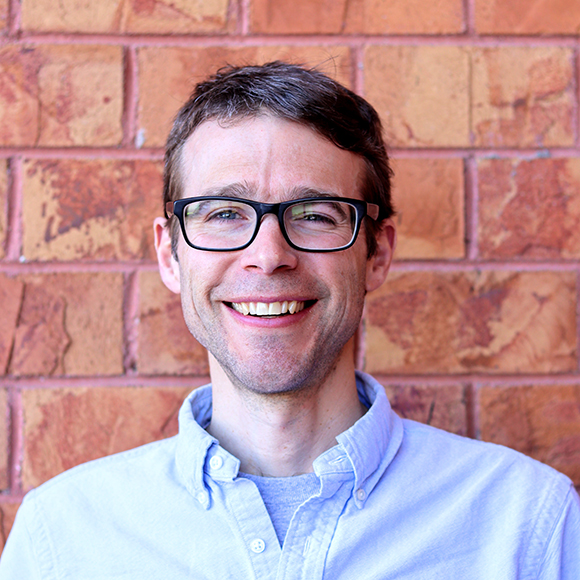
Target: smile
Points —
{"points": [[268, 308]]}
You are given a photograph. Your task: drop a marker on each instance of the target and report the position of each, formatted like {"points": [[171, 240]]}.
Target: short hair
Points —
{"points": [[297, 94]]}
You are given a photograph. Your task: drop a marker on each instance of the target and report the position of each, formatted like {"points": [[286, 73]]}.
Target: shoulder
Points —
{"points": [[473, 458], [125, 470], [490, 481]]}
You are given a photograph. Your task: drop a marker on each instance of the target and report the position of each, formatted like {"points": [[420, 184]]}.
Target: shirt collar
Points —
{"points": [[370, 444]]}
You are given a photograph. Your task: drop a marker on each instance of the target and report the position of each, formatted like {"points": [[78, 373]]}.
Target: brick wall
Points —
{"points": [[477, 329]]}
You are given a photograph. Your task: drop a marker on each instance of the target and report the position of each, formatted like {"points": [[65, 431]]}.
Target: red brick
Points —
{"points": [[457, 322], [62, 95], [11, 290], [95, 210], [3, 14], [69, 426], [542, 421], [443, 406], [19, 96], [141, 16], [527, 16], [3, 206], [168, 76], [523, 96], [356, 16], [165, 344], [421, 93], [69, 324], [529, 209], [7, 515], [428, 196]]}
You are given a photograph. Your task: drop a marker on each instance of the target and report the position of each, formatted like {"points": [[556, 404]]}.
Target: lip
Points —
{"points": [[269, 322]]}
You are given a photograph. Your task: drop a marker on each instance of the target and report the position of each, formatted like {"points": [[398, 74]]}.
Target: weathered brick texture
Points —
{"points": [[134, 16], [7, 514], [3, 15], [542, 421], [523, 96], [165, 344], [421, 93], [492, 322], [177, 70], [90, 210], [61, 95], [442, 406], [358, 16], [63, 324], [529, 208], [429, 199], [527, 16], [476, 331], [65, 427]]}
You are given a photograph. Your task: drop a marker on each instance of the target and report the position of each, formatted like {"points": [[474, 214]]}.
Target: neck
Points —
{"points": [[280, 435]]}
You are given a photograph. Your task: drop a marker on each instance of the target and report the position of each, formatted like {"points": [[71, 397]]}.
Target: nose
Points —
{"points": [[269, 252]]}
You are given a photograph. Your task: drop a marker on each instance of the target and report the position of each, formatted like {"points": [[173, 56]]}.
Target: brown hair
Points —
{"points": [[293, 93]]}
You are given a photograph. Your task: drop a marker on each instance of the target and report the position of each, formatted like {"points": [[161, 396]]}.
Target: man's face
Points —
{"points": [[271, 160]]}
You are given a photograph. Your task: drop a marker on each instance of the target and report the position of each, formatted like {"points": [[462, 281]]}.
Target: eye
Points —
{"points": [[226, 214]]}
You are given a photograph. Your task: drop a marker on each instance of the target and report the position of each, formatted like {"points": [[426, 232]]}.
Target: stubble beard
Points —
{"points": [[275, 372]]}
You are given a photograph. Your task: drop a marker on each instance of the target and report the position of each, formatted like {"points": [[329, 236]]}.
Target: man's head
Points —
{"points": [[275, 317], [295, 94]]}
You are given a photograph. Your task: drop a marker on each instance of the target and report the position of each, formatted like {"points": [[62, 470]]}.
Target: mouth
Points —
{"points": [[270, 309]]}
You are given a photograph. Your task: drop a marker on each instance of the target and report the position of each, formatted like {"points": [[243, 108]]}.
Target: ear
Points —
{"points": [[379, 264], [168, 265]]}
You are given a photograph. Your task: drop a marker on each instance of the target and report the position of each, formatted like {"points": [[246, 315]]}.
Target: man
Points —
{"points": [[290, 465]]}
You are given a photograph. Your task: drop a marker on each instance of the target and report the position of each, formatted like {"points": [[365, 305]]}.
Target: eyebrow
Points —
{"points": [[244, 190]]}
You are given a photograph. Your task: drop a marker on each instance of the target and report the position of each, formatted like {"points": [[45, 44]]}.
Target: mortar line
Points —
{"points": [[358, 73], [221, 39], [503, 380], [244, 16], [16, 440], [130, 322], [469, 16], [130, 95], [576, 108], [100, 381], [156, 153], [14, 234], [578, 321], [497, 380], [14, 18], [71, 267], [470, 410], [148, 154], [440, 265], [471, 209]]}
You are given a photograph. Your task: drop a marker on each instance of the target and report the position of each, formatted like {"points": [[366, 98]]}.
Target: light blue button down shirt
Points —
{"points": [[398, 500]]}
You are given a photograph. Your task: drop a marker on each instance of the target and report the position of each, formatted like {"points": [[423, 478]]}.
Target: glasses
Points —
{"points": [[314, 224]]}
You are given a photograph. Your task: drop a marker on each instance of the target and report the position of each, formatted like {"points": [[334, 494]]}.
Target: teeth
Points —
{"points": [[268, 308]]}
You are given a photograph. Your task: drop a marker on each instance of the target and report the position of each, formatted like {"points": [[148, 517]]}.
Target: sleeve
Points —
{"points": [[562, 557], [18, 561]]}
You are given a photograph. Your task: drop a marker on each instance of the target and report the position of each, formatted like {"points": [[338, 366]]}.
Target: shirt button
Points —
{"points": [[361, 494], [202, 497], [216, 462], [258, 546]]}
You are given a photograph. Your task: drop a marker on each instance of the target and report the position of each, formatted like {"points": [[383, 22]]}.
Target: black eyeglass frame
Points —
{"points": [[362, 208]]}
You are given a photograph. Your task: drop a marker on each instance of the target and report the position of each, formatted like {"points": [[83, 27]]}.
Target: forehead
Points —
{"points": [[271, 157]]}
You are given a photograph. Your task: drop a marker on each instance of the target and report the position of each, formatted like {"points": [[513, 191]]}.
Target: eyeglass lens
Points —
{"points": [[226, 224]]}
